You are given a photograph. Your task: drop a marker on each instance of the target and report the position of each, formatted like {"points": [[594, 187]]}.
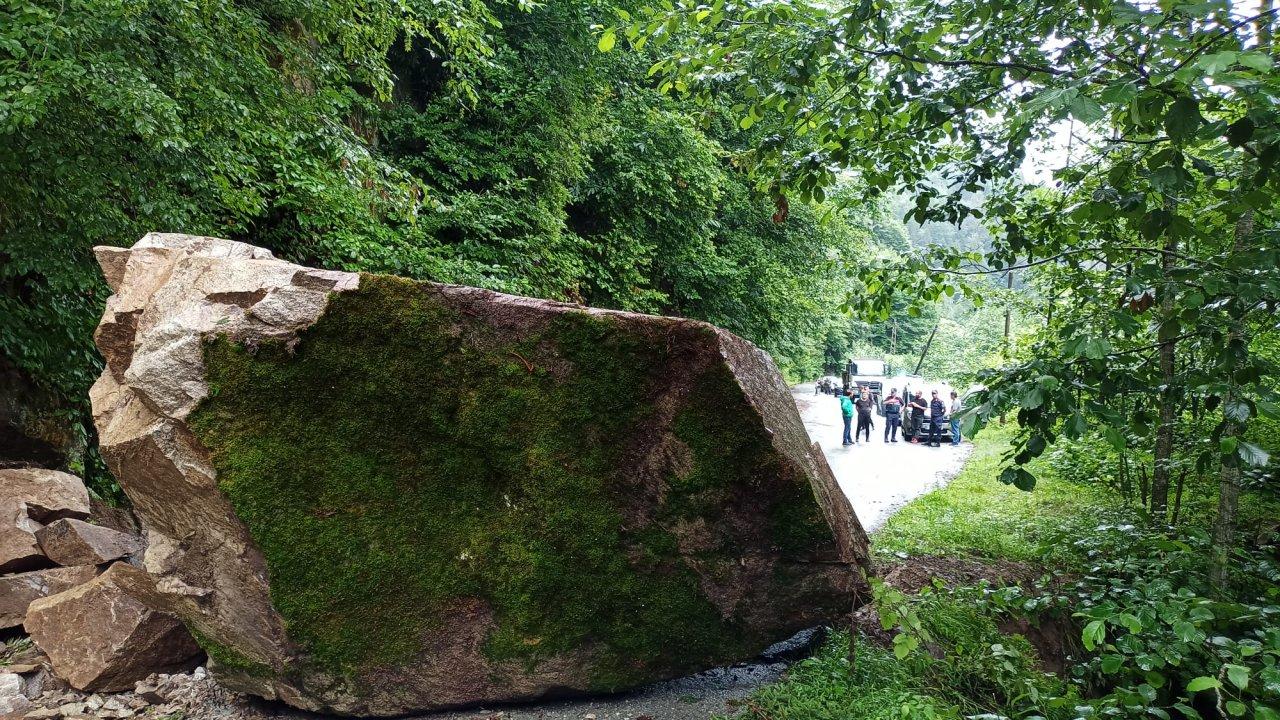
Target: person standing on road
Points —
{"points": [[956, 407], [937, 415], [864, 405], [892, 415], [918, 409], [846, 411]]}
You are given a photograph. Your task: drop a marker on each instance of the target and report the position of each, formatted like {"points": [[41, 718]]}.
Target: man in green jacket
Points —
{"points": [[846, 409]]}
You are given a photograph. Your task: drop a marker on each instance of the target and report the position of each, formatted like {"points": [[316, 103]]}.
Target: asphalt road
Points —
{"points": [[878, 477]]}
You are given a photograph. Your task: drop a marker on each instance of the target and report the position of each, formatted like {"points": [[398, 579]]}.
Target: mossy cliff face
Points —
{"points": [[457, 497]]}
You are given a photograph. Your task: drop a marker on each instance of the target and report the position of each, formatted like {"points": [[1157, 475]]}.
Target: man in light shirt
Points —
{"points": [[956, 407]]}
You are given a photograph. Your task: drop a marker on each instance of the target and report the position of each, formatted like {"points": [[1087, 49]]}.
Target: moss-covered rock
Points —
{"points": [[410, 496]]}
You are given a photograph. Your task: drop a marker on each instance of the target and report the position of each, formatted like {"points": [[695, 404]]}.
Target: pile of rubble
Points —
{"points": [[185, 695], [71, 603]]}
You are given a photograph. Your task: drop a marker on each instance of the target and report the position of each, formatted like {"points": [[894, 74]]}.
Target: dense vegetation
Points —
{"points": [[1132, 615], [480, 143]]}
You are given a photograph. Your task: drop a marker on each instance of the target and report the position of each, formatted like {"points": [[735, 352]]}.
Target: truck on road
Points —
{"points": [[867, 373]]}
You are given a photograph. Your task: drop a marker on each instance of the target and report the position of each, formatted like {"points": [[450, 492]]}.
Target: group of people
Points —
{"points": [[939, 412]]}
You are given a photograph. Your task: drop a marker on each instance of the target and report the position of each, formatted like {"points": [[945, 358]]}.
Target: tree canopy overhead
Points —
{"points": [[482, 143], [1153, 251]]}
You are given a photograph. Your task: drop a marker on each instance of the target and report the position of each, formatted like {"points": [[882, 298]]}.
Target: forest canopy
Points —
{"points": [[488, 144]]}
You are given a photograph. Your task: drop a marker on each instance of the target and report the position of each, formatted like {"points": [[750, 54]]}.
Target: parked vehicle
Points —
{"points": [[912, 384], [870, 374]]}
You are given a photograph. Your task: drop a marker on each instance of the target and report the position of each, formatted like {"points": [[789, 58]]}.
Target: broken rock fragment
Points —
{"points": [[75, 542], [18, 591], [47, 494], [19, 549], [30, 497], [103, 636], [12, 698]]}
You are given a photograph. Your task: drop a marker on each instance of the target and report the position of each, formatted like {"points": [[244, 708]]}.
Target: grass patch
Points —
{"points": [[981, 671], [977, 516]]}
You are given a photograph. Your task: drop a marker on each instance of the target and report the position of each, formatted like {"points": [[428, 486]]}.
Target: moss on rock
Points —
{"points": [[405, 455]]}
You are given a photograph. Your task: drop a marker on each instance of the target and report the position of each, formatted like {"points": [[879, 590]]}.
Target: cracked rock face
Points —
{"points": [[374, 496]]}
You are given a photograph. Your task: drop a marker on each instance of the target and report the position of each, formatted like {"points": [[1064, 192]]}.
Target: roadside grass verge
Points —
{"points": [[980, 670], [1128, 617], [976, 516]]}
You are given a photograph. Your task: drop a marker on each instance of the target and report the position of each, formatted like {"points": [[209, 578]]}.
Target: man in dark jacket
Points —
{"points": [[892, 415], [918, 408], [937, 416], [864, 404]]}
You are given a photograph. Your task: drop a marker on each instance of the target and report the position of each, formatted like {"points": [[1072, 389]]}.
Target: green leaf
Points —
{"points": [[1094, 634], [607, 40], [1019, 478], [1086, 109], [1204, 682], [1256, 60], [1262, 712], [1033, 398], [1237, 410], [1183, 118], [1187, 710], [1114, 437], [1217, 62], [1235, 708], [1077, 425], [1112, 663], [1119, 93], [1252, 454], [1096, 348], [903, 644], [1239, 132], [1268, 408], [1238, 675]]}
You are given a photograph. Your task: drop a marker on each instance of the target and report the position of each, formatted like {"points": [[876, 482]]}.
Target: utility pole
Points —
{"points": [[926, 348]]}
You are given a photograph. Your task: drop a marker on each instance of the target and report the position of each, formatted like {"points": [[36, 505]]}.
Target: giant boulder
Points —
{"points": [[374, 496]]}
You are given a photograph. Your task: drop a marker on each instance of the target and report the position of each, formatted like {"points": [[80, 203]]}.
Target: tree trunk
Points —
{"points": [[1224, 526], [1177, 496], [1263, 24], [1163, 466], [1008, 311]]}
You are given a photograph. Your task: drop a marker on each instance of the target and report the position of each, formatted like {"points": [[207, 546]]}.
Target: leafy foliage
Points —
{"points": [[1153, 253], [484, 143]]}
